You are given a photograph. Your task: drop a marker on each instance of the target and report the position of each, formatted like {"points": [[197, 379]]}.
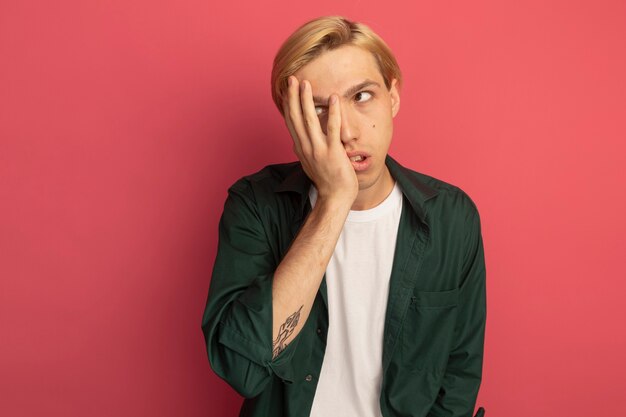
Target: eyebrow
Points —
{"points": [[349, 92]]}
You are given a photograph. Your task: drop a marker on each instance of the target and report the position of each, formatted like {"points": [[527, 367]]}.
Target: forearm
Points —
{"points": [[298, 277]]}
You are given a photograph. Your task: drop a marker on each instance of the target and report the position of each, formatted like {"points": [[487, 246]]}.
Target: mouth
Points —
{"points": [[360, 160]]}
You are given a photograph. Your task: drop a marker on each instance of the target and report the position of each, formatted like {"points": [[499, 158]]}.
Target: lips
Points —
{"points": [[360, 160], [357, 156]]}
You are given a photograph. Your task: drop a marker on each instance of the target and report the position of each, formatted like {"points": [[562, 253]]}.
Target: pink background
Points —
{"points": [[122, 124]]}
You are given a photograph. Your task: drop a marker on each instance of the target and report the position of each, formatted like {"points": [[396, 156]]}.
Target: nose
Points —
{"points": [[349, 125]]}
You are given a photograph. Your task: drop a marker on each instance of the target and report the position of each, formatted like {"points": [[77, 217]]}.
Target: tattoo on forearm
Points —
{"points": [[286, 329]]}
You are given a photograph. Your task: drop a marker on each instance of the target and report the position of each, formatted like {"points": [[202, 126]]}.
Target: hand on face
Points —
{"points": [[323, 157]]}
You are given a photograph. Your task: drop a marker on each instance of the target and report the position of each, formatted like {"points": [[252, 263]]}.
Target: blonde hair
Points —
{"points": [[320, 35]]}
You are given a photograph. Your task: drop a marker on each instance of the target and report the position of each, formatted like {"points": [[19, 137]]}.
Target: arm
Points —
{"points": [[250, 300], [298, 277], [323, 157], [457, 395], [239, 315]]}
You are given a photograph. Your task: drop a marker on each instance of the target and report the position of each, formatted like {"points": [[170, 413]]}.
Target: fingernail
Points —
{"points": [[333, 99], [302, 85], [289, 80]]}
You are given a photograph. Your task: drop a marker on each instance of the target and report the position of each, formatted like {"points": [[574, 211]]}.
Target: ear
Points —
{"points": [[395, 97]]}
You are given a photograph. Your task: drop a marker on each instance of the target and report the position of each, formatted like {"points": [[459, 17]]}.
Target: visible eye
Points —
{"points": [[320, 110], [363, 96]]}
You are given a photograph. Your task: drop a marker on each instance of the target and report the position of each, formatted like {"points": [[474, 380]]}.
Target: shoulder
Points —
{"points": [[264, 191], [446, 196], [266, 180], [450, 212]]}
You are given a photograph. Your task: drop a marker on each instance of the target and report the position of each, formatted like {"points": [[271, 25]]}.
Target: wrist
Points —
{"points": [[335, 203]]}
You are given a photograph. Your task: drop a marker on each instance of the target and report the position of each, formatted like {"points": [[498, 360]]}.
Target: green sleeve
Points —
{"points": [[461, 381], [237, 321]]}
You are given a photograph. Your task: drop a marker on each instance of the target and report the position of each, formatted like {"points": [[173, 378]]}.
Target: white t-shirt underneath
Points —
{"points": [[357, 280]]}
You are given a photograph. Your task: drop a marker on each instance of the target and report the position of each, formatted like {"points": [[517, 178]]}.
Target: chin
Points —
{"points": [[365, 183]]}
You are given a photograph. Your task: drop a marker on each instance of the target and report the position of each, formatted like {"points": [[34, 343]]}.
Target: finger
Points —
{"points": [[297, 148], [295, 115], [311, 121], [333, 127]]}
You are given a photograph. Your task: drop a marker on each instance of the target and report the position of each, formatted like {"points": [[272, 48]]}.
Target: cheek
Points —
{"points": [[377, 120], [383, 131], [379, 124], [375, 116]]}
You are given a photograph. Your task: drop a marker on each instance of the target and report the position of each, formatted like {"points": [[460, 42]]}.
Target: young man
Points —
{"points": [[344, 283]]}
